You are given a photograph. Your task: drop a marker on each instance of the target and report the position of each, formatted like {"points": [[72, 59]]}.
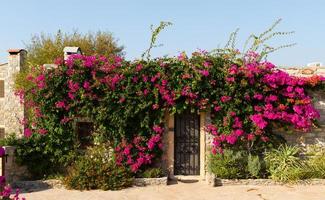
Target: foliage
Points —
{"points": [[229, 165], [47, 49], [154, 36], [152, 173], [127, 102], [285, 165], [316, 160], [254, 165], [98, 170], [257, 43], [45, 155]]}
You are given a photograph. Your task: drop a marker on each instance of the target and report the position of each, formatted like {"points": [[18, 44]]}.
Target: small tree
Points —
{"points": [[45, 48]]}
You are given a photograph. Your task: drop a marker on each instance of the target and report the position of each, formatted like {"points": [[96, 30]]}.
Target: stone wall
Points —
{"points": [[12, 112], [317, 134]]}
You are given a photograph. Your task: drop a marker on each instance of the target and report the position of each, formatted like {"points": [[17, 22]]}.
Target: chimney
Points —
{"points": [[71, 51], [16, 60]]}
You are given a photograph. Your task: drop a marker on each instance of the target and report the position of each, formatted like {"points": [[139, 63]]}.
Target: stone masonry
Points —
{"points": [[12, 112]]}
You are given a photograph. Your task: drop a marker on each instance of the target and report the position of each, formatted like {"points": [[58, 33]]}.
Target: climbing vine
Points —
{"points": [[127, 101]]}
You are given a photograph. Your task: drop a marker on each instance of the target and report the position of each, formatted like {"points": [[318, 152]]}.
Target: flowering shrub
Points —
{"points": [[98, 170], [127, 101]]}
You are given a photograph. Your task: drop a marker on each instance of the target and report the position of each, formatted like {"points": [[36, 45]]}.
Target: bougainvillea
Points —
{"points": [[127, 101]]}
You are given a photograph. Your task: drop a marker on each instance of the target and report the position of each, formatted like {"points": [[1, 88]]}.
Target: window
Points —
{"points": [[84, 132], [2, 132], [2, 88]]}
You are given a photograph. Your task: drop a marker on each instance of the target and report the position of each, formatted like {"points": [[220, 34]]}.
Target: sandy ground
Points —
{"points": [[187, 191]]}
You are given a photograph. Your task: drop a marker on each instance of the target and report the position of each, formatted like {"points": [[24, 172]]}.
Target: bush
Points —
{"points": [[97, 170], [237, 164], [285, 165], [254, 165], [45, 155], [316, 160], [152, 173], [229, 165]]}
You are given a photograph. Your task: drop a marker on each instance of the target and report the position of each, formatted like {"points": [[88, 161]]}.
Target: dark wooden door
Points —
{"points": [[187, 144]]}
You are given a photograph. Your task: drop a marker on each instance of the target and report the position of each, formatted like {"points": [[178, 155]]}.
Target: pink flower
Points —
{"points": [[86, 85], [232, 113], [42, 131], [164, 82], [2, 153], [182, 56], [127, 151], [70, 95], [145, 92], [60, 104], [145, 78], [230, 79], [258, 121], [206, 64], [233, 70], [27, 132], [237, 123], [217, 108], [138, 67], [157, 129], [74, 87], [151, 144], [238, 132], [65, 120], [258, 96], [225, 99], [231, 139], [258, 108], [155, 106], [134, 167], [204, 73], [250, 137]]}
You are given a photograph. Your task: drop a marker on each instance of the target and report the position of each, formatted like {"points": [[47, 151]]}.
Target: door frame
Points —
{"points": [[169, 153]]}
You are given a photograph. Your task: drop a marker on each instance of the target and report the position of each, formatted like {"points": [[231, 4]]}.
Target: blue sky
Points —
{"points": [[197, 24]]}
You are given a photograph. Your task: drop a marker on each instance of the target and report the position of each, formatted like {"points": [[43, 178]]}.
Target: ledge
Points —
{"points": [[55, 183], [150, 181], [225, 182], [38, 184]]}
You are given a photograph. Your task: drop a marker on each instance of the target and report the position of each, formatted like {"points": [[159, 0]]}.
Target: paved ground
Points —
{"points": [[187, 191]]}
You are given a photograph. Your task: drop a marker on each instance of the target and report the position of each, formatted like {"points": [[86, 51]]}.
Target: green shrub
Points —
{"points": [[45, 155], [316, 160], [229, 165], [285, 165], [254, 165], [152, 173], [97, 170]]}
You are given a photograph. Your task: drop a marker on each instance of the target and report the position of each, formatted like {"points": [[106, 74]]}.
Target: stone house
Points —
{"points": [[186, 146], [12, 112]]}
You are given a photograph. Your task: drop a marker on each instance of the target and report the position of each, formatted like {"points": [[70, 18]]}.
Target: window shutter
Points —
{"points": [[2, 88], [84, 131], [2, 132]]}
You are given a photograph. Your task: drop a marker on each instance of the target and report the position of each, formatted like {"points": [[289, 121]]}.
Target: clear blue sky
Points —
{"points": [[197, 24]]}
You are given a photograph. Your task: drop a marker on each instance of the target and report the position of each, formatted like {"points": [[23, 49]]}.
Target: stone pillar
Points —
{"points": [[168, 154], [13, 172], [13, 111], [202, 145]]}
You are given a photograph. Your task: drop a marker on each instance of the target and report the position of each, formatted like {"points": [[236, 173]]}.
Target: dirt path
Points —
{"points": [[187, 191]]}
